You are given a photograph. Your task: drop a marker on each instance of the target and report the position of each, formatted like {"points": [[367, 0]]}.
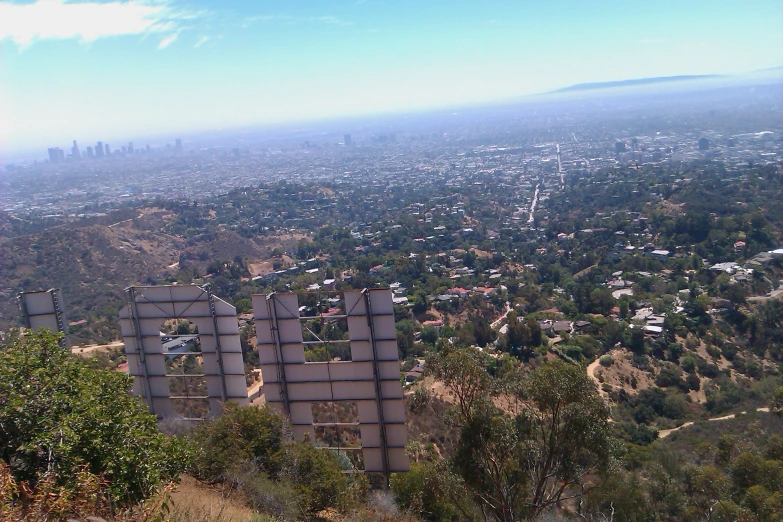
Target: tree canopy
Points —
{"points": [[516, 465]]}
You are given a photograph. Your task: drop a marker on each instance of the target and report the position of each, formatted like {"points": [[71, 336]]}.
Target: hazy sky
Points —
{"points": [[110, 70]]}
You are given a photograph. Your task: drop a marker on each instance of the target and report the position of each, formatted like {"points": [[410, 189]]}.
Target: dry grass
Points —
{"points": [[621, 373], [193, 501], [190, 501]]}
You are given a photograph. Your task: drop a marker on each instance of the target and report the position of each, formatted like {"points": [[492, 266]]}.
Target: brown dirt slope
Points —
{"points": [[91, 264]]}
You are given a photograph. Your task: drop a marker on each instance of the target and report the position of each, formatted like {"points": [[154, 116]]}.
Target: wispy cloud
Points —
{"points": [[168, 40], [201, 41], [330, 20], [25, 24], [287, 19]]}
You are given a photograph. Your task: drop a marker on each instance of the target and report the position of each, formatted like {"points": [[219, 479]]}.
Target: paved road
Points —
{"points": [[560, 166], [533, 204], [496, 323]]}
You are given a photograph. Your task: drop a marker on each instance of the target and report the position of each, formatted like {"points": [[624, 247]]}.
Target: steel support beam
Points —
{"points": [[378, 391], [282, 382], [218, 349], [136, 328]]}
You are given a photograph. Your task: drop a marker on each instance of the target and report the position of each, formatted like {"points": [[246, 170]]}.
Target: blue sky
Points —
{"points": [[111, 70]]}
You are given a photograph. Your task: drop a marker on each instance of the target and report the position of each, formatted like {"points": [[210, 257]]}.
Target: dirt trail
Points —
{"points": [[90, 349], [662, 433], [591, 373], [665, 433]]}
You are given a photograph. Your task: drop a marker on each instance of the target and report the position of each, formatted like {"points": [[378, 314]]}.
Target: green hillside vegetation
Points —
{"points": [[67, 430], [723, 470], [669, 338]]}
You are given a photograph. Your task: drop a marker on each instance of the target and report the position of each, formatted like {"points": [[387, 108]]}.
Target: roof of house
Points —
{"points": [[563, 326]]}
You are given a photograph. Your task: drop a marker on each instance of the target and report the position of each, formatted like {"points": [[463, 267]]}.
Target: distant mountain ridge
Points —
{"points": [[637, 81]]}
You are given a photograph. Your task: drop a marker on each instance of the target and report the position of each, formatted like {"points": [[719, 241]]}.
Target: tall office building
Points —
{"points": [[89, 153], [106, 149], [178, 145], [75, 154], [147, 148], [635, 144], [347, 140], [56, 155], [130, 147], [619, 147], [99, 149]]}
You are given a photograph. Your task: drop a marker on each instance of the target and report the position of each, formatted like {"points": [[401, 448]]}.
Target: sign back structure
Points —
{"points": [[191, 384], [369, 381], [44, 309]]}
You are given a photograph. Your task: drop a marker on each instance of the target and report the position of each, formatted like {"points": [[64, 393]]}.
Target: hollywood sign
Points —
{"points": [[351, 402]]}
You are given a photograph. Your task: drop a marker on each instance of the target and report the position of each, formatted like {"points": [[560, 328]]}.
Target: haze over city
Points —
{"points": [[124, 70], [361, 260]]}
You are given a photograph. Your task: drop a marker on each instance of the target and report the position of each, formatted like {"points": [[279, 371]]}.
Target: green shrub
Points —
{"points": [[419, 400], [315, 475], [688, 364], [729, 351], [58, 416], [774, 450], [746, 471], [247, 448], [241, 436], [693, 382], [669, 375], [606, 360], [424, 491]]}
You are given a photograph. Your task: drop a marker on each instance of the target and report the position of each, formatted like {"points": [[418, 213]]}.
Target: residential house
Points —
{"points": [[660, 255], [561, 327]]}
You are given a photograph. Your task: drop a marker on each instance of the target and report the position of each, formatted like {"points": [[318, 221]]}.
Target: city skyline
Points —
{"points": [[101, 150], [110, 69]]}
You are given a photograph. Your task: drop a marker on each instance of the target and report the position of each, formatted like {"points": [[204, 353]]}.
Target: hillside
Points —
{"points": [[94, 263], [637, 82], [91, 264]]}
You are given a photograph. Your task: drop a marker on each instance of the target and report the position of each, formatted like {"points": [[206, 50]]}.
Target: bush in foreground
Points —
{"points": [[248, 447], [59, 419]]}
